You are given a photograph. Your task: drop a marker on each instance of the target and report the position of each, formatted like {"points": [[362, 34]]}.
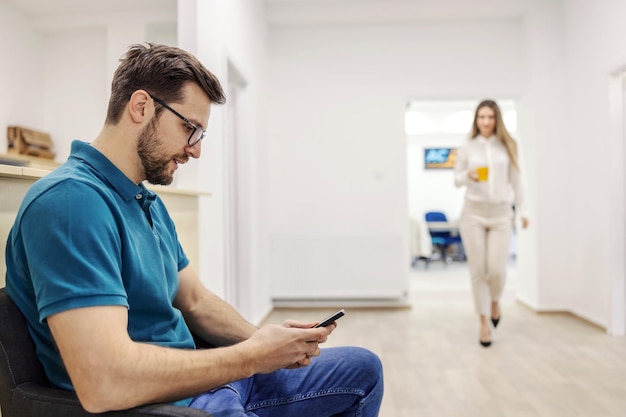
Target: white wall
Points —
{"points": [[338, 146], [80, 54], [544, 265], [75, 96], [21, 73], [57, 73], [595, 40]]}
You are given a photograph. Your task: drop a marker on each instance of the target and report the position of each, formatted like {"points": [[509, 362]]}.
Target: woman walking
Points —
{"points": [[487, 165]]}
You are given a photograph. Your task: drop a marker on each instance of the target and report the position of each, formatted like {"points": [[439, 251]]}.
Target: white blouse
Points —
{"points": [[503, 184]]}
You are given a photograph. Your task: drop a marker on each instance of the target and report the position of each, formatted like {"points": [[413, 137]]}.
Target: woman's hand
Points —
{"points": [[472, 174], [525, 222]]}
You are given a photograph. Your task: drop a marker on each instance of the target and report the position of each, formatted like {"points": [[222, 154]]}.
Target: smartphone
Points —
{"points": [[330, 319]]}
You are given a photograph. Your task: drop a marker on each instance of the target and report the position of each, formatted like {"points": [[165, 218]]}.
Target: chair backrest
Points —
{"points": [[18, 361], [439, 237], [436, 216], [26, 392]]}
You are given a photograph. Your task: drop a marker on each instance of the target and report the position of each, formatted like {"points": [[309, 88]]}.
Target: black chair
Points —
{"points": [[443, 240], [26, 392]]}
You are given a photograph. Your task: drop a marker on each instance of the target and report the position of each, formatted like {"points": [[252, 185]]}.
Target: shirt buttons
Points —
{"points": [[138, 197]]}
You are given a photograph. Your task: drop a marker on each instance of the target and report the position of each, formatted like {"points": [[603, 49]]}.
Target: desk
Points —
{"points": [[15, 159], [444, 227], [445, 235]]}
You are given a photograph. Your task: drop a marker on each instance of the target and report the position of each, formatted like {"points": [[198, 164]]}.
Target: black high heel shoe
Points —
{"points": [[495, 321], [485, 343]]}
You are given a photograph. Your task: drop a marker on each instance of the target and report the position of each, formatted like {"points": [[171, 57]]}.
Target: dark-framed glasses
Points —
{"points": [[197, 133]]}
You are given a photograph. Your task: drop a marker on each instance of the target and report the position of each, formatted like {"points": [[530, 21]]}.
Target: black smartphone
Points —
{"points": [[330, 319]]}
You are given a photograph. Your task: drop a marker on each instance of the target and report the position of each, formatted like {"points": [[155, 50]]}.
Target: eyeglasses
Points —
{"points": [[197, 134]]}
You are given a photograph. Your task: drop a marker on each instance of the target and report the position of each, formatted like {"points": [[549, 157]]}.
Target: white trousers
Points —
{"points": [[486, 230]]}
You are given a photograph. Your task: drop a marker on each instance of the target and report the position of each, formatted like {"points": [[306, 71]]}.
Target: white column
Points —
{"points": [[542, 262], [199, 34]]}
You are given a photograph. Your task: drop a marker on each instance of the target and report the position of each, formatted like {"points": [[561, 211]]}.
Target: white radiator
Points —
{"points": [[338, 268]]}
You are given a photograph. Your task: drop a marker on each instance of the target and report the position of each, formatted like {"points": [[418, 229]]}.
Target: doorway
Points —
{"points": [[235, 270], [434, 130]]}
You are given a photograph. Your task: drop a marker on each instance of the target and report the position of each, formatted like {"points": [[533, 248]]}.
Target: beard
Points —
{"points": [[155, 165]]}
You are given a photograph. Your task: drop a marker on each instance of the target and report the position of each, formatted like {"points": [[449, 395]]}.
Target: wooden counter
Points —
{"points": [[183, 206]]}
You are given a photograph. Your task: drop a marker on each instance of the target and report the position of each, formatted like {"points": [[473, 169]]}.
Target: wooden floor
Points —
{"points": [[552, 365]]}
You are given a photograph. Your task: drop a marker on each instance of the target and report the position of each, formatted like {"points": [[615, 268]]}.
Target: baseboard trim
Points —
{"points": [[340, 303], [547, 311]]}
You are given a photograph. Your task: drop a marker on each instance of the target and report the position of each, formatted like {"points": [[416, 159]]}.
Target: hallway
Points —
{"points": [[552, 365]]}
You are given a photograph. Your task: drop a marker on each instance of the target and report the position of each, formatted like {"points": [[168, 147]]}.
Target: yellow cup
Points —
{"points": [[483, 173]]}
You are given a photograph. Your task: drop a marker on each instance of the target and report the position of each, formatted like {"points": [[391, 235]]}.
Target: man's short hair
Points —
{"points": [[162, 71]]}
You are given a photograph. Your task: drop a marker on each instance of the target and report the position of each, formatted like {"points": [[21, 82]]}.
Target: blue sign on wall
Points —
{"points": [[439, 158]]}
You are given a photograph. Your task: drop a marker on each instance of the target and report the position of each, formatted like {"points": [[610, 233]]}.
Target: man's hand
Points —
{"points": [[291, 345]]}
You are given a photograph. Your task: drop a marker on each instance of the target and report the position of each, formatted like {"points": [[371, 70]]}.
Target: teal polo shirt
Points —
{"points": [[86, 235]]}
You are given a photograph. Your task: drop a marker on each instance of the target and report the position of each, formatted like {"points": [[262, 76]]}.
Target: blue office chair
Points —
{"points": [[443, 240]]}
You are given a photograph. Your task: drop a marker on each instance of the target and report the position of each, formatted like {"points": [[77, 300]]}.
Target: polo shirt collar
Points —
{"points": [[127, 189]]}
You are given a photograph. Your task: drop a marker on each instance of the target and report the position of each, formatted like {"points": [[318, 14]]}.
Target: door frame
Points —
{"points": [[617, 238], [235, 234]]}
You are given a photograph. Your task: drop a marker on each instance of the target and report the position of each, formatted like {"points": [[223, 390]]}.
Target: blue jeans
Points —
{"points": [[342, 382]]}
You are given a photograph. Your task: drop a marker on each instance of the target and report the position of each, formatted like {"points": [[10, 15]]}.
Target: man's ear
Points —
{"points": [[140, 106]]}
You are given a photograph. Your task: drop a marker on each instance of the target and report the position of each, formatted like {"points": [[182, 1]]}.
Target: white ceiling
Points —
{"points": [[64, 7], [308, 12]]}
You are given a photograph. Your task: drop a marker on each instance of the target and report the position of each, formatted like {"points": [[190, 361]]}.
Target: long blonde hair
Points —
{"points": [[500, 130]]}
